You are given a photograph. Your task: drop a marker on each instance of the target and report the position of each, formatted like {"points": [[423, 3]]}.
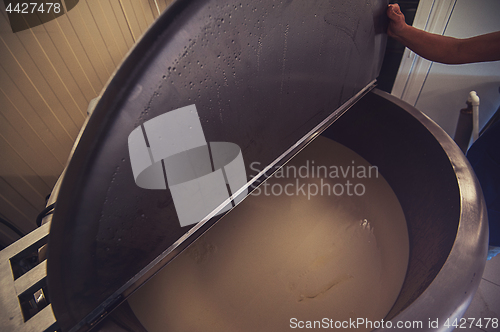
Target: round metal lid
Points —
{"points": [[261, 74]]}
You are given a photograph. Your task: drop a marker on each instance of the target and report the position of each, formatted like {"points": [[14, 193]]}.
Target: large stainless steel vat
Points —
{"points": [[441, 198], [263, 76]]}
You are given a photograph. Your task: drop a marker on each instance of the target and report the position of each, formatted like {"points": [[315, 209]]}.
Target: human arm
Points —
{"points": [[440, 48]]}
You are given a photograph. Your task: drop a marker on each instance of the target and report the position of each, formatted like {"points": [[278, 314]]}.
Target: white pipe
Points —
{"points": [[474, 99]]}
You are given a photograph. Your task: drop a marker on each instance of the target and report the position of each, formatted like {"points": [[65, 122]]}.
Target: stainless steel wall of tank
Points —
{"points": [[441, 198]]}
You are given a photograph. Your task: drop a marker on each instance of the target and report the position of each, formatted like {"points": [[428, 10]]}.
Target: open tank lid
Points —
{"points": [[266, 77]]}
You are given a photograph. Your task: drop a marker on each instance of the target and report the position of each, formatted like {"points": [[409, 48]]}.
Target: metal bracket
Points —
{"points": [[24, 305]]}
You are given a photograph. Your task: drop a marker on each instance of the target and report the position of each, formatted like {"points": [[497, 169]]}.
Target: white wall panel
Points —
{"points": [[441, 90]]}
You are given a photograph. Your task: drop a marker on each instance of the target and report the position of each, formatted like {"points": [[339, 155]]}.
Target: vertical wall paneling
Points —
{"points": [[107, 14], [123, 23], [432, 16], [7, 236], [137, 9], [87, 46], [16, 207], [95, 34], [20, 66], [62, 38], [149, 12], [17, 173], [66, 105], [131, 19], [23, 159], [19, 89], [48, 75], [155, 8], [18, 112], [161, 4]]}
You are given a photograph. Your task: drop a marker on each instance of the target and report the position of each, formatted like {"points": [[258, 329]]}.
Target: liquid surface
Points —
{"points": [[294, 255]]}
